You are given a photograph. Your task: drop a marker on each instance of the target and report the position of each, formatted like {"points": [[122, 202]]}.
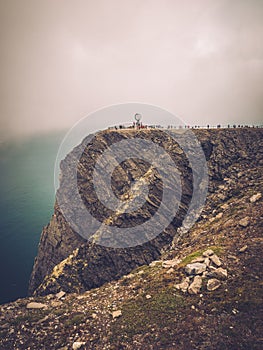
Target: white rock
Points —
{"points": [[34, 305], [183, 286], [208, 252], [219, 215], [60, 294], [235, 311], [213, 284], [195, 286], [195, 268], [219, 273], [116, 313], [243, 249], [148, 296], [170, 263], [215, 260], [207, 261], [255, 197], [77, 345], [244, 222]]}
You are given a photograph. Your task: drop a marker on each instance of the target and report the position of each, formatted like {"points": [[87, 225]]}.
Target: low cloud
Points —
{"points": [[202, 60]]}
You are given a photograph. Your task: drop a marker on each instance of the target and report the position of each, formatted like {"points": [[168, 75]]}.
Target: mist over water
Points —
{"points": [[26, 204]]}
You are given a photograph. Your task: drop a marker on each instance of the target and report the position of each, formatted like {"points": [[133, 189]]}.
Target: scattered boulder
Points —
{"points": [[206, 266], [208, 252], [116, 314], [60, 294], [170, 263], [255, 197], [243, 249], [183, 286], [34, 305], [77, 345], [195, 268], [215, 260], [207, 261], [244, 222], [196, 285], [219, 273], [219, 215], [213, 284], [232, 257]]}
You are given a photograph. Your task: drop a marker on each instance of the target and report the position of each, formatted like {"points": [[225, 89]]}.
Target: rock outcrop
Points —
{"points": [[205, 266], [66, 261]]}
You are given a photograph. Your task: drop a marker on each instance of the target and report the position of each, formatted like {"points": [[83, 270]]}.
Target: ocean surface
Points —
{"points": [[26, 205]]}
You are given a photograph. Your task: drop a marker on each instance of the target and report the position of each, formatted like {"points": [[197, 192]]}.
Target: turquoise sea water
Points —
{"points": [[26, 204]]}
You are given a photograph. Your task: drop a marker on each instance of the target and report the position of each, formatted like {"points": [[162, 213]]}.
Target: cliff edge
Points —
{"points": [[66, 261], [198, 291]]}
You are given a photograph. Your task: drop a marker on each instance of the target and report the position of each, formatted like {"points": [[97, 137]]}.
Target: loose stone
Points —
{"points": [[195, 268], [213, 284]]}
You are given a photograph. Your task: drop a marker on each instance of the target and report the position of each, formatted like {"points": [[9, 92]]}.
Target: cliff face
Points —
{"points": [[204, 291], [65, 261]]}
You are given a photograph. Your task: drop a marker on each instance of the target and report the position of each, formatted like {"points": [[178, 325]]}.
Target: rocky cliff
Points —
{"points": [[87, 264], [66, 261], [201, 290]]}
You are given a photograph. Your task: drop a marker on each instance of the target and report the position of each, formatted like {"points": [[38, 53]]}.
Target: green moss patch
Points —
{"points": [[142, 315], [217, 250]]}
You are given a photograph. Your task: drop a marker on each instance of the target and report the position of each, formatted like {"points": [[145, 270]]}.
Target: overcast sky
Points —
{"points": [[61, 59]]}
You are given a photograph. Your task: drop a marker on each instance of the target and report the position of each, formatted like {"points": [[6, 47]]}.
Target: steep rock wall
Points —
{"points": [[66, 261]]}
